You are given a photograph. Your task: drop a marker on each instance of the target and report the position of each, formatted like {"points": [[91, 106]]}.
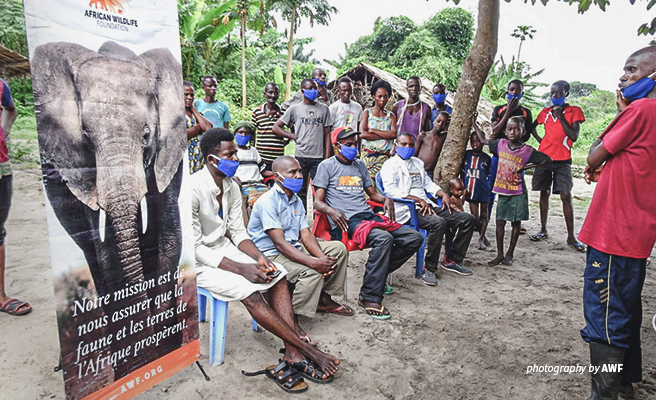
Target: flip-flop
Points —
{"points": [[538, 237], [580, 247], [284, 375], [341, 310], [376, 313], [16, 307], [388, 289]]}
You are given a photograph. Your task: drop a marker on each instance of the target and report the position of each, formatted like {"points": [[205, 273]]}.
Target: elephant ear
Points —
{"points": [[171, 133], [57, 106]]}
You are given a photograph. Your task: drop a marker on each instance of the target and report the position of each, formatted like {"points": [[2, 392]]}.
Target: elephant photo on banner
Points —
{"points": [[111, 132]]}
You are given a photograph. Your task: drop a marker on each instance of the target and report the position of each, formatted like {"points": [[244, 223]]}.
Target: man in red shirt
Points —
{"points": [[620, 230], [562, 123]]}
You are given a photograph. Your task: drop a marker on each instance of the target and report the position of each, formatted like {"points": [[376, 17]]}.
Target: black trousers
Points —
{"points": [[436, 225], [309, 169]]}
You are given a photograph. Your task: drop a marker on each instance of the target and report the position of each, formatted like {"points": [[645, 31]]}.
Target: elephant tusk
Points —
{"points": [[144, 215], [101, 224]]}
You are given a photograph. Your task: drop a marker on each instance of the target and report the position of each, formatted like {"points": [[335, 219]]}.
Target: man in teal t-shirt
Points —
{"points": [[213, 110]]}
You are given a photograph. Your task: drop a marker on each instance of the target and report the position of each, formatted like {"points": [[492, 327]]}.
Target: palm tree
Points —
{"points": [[292, 11], [522, 33], [250, 13]]}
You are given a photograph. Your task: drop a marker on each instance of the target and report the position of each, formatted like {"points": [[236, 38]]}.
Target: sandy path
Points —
{"points": [[467, 338]]}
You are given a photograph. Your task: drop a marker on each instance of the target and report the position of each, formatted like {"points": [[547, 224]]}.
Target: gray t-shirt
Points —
{"points": [[309, 122], [345, 114], [344, 185]]}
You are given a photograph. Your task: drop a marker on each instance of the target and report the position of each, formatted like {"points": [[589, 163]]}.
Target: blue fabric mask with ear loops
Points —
{"points": [[439, 98], [348, 152], [513, 96], [558, 101], [225, 166], [293, 184], [639, 89], [243, 140], [320, 82], [311, 94], [405, 152]]}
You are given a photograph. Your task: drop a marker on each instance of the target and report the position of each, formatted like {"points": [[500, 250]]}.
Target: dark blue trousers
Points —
{"points": [[612, 305]]}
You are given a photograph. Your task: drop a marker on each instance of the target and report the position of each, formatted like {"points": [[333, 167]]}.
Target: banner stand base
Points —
{"points": [[200, 367]]}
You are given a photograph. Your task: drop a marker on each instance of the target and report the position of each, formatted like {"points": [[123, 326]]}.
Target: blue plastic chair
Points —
{"points": [[414, 224], [218, 324]]}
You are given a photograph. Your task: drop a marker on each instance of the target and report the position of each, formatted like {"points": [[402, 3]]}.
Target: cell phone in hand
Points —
{"points": [[273, 274]]}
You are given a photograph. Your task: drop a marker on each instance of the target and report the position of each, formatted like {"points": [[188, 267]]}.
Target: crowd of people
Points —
{"points": [[371, 171]]}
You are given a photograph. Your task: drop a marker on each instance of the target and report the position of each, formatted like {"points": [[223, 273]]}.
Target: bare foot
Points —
{"points": [[487, 242], [481, 244], [326, 363], [508, 260], [496, 261]]}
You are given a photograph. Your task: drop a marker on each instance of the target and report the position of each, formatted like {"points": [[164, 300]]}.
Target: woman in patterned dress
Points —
{"points": [[378, 129], [196, 125]]}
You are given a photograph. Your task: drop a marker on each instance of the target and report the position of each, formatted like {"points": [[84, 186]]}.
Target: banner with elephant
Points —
{"points": [[108, 97]]}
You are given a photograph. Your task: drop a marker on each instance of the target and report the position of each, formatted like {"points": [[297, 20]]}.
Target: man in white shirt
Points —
{"points": [[345, 112], [404, 177], [231, 267]]}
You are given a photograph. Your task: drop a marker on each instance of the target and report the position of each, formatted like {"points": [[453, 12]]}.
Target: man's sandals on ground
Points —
{"points": [[284, 375], [538, 237], [16, 307]]}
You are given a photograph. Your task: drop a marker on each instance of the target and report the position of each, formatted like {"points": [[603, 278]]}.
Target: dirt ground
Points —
{"points": [[468, 338]]}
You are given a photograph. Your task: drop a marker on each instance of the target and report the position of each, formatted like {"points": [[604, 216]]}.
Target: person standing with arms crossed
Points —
{"points": [[620, 230]]}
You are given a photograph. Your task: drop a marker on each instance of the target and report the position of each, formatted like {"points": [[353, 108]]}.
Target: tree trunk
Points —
{"points": [[519, 51], [290, 53], [474, 73], [243, 60]]}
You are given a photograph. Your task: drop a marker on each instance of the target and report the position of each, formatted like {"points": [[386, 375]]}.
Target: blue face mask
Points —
{"points": [[639, 89], [226, 167], [558, 101], [348, 152], [320, 82], [293, 184], [243, 140], [405, 152], [311, 94], [518, 96], [439, 98]]}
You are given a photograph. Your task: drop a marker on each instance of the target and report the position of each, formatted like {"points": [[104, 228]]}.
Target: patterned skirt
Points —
{"points": [[253, 191], [196, 161]]}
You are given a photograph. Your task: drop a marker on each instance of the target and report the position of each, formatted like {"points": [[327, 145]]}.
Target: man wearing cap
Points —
{"points": [[311, 121], [279, 228], [341, 183]]}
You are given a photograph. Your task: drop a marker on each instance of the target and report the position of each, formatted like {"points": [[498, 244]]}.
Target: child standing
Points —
{"points": [[251, 171], [475, 173], [429, 144], [514, 157]]}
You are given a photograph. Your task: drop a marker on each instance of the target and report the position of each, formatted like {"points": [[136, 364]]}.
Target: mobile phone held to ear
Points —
{"points": [[273, 275]]}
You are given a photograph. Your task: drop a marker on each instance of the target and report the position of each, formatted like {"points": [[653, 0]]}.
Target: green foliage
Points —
{"points": [[435, 50], [315, 10], [581, 89], [24, 152], [454, 28], [12, 26], [501, 74]]}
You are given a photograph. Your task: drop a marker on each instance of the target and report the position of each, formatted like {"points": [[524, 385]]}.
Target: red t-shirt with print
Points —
{"points": [[622, 217], [555, 143]]}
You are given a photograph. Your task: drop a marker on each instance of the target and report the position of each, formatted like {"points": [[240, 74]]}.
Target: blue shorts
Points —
{"points": [[612, 306]]}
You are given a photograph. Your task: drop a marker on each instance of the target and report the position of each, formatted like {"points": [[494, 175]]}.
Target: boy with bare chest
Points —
{"points": [[429, 144]]}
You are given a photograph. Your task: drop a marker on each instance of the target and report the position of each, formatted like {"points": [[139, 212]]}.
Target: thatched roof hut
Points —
{"points": [[13, 64], [364, 75]]}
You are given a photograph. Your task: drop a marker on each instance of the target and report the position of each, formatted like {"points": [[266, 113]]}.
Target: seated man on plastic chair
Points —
{"points": [[232, 268], [404, 177], [341, 183], [279, 228]]}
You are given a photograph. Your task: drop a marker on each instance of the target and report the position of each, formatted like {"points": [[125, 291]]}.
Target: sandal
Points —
{"points": [[310, 371], [376, 313], [538, 237], [341, 310], [388, 289], [16, 307], [286, 377], [580, 247]]}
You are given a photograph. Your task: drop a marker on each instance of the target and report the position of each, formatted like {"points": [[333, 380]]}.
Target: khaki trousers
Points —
{"points": [[310, 283]]}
